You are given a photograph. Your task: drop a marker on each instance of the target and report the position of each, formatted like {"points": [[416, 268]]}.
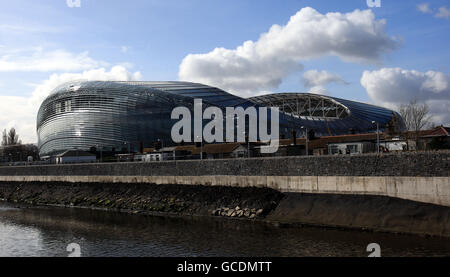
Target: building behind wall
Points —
{"points": [[437, 138], [75, 156], [126, 117], [351, 148]]}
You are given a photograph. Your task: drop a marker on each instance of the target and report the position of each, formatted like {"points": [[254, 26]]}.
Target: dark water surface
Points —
{"points": [[45, 231]]}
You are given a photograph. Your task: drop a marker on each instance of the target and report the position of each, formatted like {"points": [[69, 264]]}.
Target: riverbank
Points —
{"points": [[361, 212]]}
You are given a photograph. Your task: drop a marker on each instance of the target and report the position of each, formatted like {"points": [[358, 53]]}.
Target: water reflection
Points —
{"points": [[31, 231]]}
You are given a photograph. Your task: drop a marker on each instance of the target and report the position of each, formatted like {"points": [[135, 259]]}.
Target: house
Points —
{"points": [[165, 154], [75, 156], [395, 145], [221, 151], [333, 145], [435, 139]]}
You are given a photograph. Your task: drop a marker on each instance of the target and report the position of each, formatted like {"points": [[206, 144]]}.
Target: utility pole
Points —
{"points": [[248, 143], [378, 136], [101, 153], [201, 147], [306, 135]]}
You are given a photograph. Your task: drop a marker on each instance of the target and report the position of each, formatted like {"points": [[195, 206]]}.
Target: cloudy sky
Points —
{"points": [[384, 55]]}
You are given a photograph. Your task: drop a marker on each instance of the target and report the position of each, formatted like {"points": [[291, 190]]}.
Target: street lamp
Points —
{"points": [[76, 154], [248, 142], [306, 135], [161, 142], [201, 147], [248, 147], [101, 153], [378, 136], [129, 147]]}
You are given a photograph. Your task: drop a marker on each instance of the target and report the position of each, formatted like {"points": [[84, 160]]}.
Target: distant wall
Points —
{"points": [[425, 164], [422, 177]]}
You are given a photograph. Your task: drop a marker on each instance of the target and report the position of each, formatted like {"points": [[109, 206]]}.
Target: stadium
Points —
{"points": [[112, 116]]}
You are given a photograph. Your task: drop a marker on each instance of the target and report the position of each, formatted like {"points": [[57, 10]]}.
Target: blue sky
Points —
{"points": [[152, 38]]}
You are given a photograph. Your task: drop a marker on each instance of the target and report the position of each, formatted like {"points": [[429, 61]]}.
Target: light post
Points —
{"points": [[306, 135], [162, 142], [201, 147], [248, 142], [128, 146], [76, 154], [129, 149], [101, 153], [378, 136]]}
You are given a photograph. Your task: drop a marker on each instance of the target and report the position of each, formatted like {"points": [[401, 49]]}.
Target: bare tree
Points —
{"points": [[4, 138], [10, 138], [416, 116]]}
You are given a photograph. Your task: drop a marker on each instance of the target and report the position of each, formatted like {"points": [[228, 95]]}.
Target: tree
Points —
{"points": [[4, 138], [416, 116], [10, 138]]}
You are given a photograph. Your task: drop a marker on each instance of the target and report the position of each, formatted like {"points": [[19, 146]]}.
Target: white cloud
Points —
{"points": [[37, 59], [424, 8], [319, 90], [73, 3], [20, 112], [124, 49], [314, 78], [262, 65], [444, 12], [391, 87]]}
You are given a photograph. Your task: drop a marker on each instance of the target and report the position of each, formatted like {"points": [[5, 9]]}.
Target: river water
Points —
{"points": [[45, 231]]}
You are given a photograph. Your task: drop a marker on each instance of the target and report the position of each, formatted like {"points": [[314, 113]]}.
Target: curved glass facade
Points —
{"points": [[118, 115], [329, 116]]}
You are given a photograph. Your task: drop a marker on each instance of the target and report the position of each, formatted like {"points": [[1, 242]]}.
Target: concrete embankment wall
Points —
{"points": [[378, 213], [408, 193], [422, 177]]}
